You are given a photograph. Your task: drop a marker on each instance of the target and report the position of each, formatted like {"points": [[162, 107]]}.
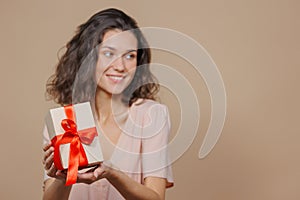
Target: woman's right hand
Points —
{"points": [[54, 188], [49, 164]]}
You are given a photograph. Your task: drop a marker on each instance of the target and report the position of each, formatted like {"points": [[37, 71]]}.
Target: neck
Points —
{"points": [[108, 105]]}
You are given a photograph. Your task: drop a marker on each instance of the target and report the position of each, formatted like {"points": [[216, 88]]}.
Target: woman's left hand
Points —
{"points": [[92, 175]]}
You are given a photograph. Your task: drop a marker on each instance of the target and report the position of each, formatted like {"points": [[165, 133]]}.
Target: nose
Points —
{"points": [[119, 64]]}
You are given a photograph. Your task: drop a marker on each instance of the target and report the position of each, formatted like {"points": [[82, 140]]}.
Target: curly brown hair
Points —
{"points": [[74, 79]]}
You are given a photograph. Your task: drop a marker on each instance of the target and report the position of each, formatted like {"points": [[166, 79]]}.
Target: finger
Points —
{"points": [[52, 171], [46, 146], [61, 174], [87, 178], [48, 162], [98, 172], [47, 154], [92, 169], [86, 175]]}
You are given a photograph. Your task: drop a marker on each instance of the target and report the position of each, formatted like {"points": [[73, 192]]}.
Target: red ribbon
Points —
{"points": [[77, 157]]}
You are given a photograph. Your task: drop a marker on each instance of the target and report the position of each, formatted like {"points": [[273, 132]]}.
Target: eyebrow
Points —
{"points": [[114, 49]]}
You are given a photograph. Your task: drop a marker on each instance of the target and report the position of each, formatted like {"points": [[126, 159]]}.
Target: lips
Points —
{"points": [[115, 78]]}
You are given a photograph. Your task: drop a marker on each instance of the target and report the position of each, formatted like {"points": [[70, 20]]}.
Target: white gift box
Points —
{"points": [[84, 119]]}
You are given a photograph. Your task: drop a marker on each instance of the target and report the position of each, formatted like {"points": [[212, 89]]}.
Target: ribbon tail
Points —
{"points": [[56, 158], [73, 162]]}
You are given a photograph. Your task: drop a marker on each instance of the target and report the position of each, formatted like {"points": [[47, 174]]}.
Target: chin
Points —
{"points": [[111, 91], [114, 89]]}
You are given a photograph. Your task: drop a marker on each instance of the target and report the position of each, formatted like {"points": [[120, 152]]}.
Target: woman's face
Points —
{"points": [[117, 61]]}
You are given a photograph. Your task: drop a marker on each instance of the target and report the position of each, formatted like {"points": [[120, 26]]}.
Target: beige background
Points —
{"points": [[255, 44]]}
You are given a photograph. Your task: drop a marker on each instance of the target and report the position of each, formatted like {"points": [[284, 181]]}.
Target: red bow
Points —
{"points": [[77, 157]]}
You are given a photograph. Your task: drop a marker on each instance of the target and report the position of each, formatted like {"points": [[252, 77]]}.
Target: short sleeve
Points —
{"points": [[155, 137]]}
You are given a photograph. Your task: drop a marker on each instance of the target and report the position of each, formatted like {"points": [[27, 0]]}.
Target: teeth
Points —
{"points": [[117, 78]]}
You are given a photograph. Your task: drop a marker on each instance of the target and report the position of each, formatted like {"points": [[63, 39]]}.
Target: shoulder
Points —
{"points": [[150, 111], [149, 117]]}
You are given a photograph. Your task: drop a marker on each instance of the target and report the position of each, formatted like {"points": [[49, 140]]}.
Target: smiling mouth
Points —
{"points": [[115, 78]]}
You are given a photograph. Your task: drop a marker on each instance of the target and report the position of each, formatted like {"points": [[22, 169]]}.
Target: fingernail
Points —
{"points": [[96, 174]]}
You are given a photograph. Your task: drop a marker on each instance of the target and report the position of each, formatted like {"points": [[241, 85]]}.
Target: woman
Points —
{"points": [[106, 63]]}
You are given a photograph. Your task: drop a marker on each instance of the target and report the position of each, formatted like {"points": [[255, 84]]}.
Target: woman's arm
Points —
{"points": [[152, 189], [54, 188]]}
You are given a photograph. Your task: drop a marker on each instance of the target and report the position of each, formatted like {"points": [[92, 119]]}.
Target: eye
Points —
{"points": [[130, 56], [108, 54]]}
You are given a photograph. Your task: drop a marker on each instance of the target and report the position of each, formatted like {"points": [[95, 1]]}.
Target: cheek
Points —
{"points": [[131, 66], [99, 71], [102, 65], [132, 71], [103, 61]]}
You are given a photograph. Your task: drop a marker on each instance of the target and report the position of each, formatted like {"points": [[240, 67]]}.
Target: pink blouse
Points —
{"points": [[141, 151]]}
